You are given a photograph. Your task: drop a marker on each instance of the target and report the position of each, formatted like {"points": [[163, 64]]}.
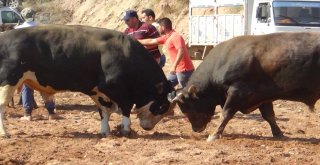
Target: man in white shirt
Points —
{"points": [[148, 16]]}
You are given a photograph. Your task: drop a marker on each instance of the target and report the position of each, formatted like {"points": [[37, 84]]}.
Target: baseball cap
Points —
{"points": [[128, 14]]}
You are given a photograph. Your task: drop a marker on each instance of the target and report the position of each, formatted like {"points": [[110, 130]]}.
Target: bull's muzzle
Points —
{"points": [[198, 129], [147, 119]]}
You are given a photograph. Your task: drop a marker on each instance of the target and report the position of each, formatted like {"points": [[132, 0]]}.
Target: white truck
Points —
{"points": [[269, 16], [253, 17]]}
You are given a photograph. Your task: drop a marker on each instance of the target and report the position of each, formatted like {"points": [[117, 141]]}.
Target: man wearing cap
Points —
{"points": [[140, 30], [26, 92], [28, 15]]}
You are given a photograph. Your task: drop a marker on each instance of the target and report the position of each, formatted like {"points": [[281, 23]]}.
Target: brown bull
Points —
{"points": [[250, 72]]}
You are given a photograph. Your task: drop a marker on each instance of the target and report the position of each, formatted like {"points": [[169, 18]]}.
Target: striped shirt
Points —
{"points": [[143, 32]]}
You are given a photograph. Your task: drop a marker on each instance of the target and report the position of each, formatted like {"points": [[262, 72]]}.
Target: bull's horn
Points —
{"points": [[172, 97]]}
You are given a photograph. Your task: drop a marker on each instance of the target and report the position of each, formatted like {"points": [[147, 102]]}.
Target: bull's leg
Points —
{"points": [[6, 93], [126, 123], [102, 100], [104, 115], [105, 128], [226, 115], [311, 108], [267, 113], [3, 131], [106, 108], [11, 103]]}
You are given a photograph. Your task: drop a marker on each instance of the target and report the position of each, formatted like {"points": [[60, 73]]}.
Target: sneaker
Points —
{"points": [[54, 117], [26, 118]]}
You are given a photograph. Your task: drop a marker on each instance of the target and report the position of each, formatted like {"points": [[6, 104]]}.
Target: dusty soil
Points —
{"points": [[75, 139], [108, 13]]}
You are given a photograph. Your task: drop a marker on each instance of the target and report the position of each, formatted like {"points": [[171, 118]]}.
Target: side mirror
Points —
{"points": [[263, 12]]}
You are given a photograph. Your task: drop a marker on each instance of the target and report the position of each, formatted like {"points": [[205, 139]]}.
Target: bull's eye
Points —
{"points": [[162, 109]]}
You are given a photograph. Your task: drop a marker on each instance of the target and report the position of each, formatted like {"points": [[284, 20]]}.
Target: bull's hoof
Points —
{"points": [[125, 133], [213, 137], [5, 136], [103, 135], [278, 136], [311, 109]]}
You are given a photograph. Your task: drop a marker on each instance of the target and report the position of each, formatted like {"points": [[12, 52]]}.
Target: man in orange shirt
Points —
{"points": [[181, 67]]}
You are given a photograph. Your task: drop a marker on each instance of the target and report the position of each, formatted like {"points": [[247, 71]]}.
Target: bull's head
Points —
{"points": [[198, 107], [154, 111]]}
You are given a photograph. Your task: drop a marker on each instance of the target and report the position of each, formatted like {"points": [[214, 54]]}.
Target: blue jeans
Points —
{"points": [[28, 101], [162, 60], [179, 78]]}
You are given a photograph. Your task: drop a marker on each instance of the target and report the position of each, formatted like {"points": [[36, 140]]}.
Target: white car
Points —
{"points": [[9, 18]]}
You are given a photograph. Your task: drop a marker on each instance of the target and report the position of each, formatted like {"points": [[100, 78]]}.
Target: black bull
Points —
{"points": [[249, 72], [113, 69]]}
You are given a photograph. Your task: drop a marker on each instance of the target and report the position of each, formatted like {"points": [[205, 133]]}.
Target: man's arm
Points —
{"points": [[150, 46], [176, 62], [149, 41]]}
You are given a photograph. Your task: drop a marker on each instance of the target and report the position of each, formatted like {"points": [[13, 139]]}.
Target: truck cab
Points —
{"points": [[269, 16], [254, 17], [9, 18]]}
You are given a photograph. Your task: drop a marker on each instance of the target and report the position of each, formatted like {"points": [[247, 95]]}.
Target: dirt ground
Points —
{"points": [[75, 139]]}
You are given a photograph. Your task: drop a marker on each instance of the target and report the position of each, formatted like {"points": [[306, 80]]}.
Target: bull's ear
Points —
{"points": [[160, 87], [192, 91]]}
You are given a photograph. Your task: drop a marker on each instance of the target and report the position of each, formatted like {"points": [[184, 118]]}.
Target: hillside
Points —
{"points": [[108, 13]]}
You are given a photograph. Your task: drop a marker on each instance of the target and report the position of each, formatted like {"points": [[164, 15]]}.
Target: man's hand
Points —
{"points": [[172, 70]]}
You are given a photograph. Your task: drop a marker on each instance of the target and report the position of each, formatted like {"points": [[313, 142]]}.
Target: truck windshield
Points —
{"points": [[290, 13]]}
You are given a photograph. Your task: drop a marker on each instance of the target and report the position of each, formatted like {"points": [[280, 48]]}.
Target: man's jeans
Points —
{"points": [[181, 78], [28, 101]]}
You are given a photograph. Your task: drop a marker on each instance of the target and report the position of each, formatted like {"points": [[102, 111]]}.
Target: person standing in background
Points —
{"points": [[28, 102], [181, 64], [141, 30], [148, 16]]}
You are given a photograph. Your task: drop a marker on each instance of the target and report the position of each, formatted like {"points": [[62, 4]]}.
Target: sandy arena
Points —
{"points": [[75, 139]]}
